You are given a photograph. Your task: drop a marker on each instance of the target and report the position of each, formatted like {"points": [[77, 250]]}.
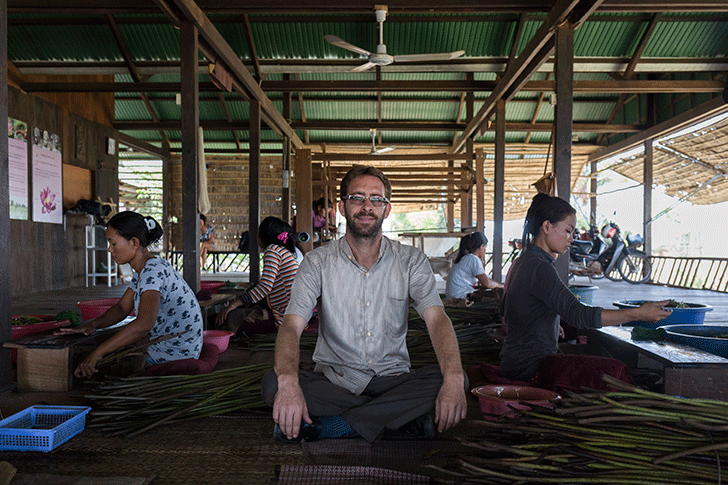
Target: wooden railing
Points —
{"points": [[691, 272], [217, 261]]}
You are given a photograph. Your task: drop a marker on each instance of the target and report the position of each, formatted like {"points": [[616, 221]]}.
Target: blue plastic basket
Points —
{"points": [[42, 428]]}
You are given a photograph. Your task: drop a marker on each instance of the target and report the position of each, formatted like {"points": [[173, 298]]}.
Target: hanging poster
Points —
{"points": [[47, 169], [18, 168]]}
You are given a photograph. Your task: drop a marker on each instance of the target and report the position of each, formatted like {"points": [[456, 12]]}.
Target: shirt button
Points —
{"points": [[367, 275], [367, 303], [370, 362], [369, 334]]}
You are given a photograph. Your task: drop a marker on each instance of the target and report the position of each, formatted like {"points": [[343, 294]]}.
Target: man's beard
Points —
{"points": [[362, 232]]}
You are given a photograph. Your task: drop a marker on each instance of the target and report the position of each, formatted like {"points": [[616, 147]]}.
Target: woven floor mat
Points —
{"points": [[219, 450], [410, 456], [44, 479], [345, 475]]}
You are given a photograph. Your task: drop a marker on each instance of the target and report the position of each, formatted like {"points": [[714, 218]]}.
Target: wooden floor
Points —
{"points": [[94, 455], [608, 292]]}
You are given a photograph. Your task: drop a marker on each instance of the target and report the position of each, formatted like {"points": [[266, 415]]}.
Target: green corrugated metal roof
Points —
{"points": [[485, 37]]}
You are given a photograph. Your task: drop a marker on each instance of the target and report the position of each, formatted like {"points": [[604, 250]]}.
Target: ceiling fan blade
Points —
{"points": [[363, 67], [444, 56], [332, 39]]}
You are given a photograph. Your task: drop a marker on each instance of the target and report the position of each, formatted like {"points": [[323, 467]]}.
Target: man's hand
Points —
{"points": [[290, 407], [450, 406]]}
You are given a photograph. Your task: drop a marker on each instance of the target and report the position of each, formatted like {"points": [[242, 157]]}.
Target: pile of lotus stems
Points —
{"points": [[629, 436], [477, 344], [133, 405]]}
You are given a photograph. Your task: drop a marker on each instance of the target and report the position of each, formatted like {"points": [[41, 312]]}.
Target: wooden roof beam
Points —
{"points": [[617, 86], [225, 53], [533, 55]]}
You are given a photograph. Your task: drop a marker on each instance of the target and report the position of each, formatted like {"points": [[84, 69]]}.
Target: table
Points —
{"points": [[687, 371], [214, 305], [45, 361]]}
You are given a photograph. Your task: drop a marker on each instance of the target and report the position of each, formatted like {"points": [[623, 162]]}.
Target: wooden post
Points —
{"points": [[6, 366], [190, 140], [450, 206], [479, 190], [564, 124], [286, 160], [499, 189], [647, 208], [254, 190], [593, 194], [304, 198]]}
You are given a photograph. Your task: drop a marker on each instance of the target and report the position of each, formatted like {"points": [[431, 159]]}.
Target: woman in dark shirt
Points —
{"points": [[535, 298]]}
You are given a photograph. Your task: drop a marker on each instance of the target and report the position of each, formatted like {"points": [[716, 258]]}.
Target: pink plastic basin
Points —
{"points": [[211, 286], [219, 338], [498, 400], [95, 308]]}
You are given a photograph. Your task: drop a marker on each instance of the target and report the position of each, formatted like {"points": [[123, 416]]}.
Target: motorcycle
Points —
{"points": [[618, 260]]}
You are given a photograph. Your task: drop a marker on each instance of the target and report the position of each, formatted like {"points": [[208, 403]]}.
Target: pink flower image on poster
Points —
{"points": [[47, 199]]}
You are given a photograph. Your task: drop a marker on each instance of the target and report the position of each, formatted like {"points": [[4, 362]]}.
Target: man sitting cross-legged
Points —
{"points": [[362, 384]]}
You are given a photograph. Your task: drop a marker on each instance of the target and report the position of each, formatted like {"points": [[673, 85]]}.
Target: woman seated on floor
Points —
{"points": [[273, 291], [535, 299], [164, 303], [468, 270]]}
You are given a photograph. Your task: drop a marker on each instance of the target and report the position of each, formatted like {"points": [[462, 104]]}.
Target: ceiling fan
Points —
{"points": [[375, 150], [381, 58]]}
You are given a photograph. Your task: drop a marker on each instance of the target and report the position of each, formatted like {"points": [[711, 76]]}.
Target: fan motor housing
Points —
{"points": [[381, 59]]}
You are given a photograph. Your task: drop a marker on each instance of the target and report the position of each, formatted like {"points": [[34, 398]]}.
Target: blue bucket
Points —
{"points": [[694, 314], [585, 293]]}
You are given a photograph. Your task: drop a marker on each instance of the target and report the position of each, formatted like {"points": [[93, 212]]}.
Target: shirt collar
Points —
{"points": [[540, 252], [344, 245]]}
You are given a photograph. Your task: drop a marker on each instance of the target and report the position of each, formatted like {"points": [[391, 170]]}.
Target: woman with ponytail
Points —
{"points": [[468, 270], [280, 264], [535, 300], [163, 302]]}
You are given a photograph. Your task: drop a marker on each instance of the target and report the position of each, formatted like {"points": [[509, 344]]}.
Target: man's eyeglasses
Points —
{"points": [[377, 201]]}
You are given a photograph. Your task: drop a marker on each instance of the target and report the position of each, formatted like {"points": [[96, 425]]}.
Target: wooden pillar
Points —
{"points": [[466, 209], [647, 207], [254, 190], [286, 160], [190, 140], [450, 206], [593, 194], [479, 190], [564, 124], [499, 189], [6, 367], [304, 197]]}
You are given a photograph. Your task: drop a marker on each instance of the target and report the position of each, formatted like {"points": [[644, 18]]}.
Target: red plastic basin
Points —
{"points": [[499, 400]]}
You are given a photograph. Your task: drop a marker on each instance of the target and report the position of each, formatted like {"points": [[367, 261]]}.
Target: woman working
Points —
{"points": [[535, 298], [164, 303], [468, 270], [280, 265]]}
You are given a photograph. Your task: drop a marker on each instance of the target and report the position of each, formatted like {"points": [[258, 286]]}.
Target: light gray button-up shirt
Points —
{"points": [[362, 313]]}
